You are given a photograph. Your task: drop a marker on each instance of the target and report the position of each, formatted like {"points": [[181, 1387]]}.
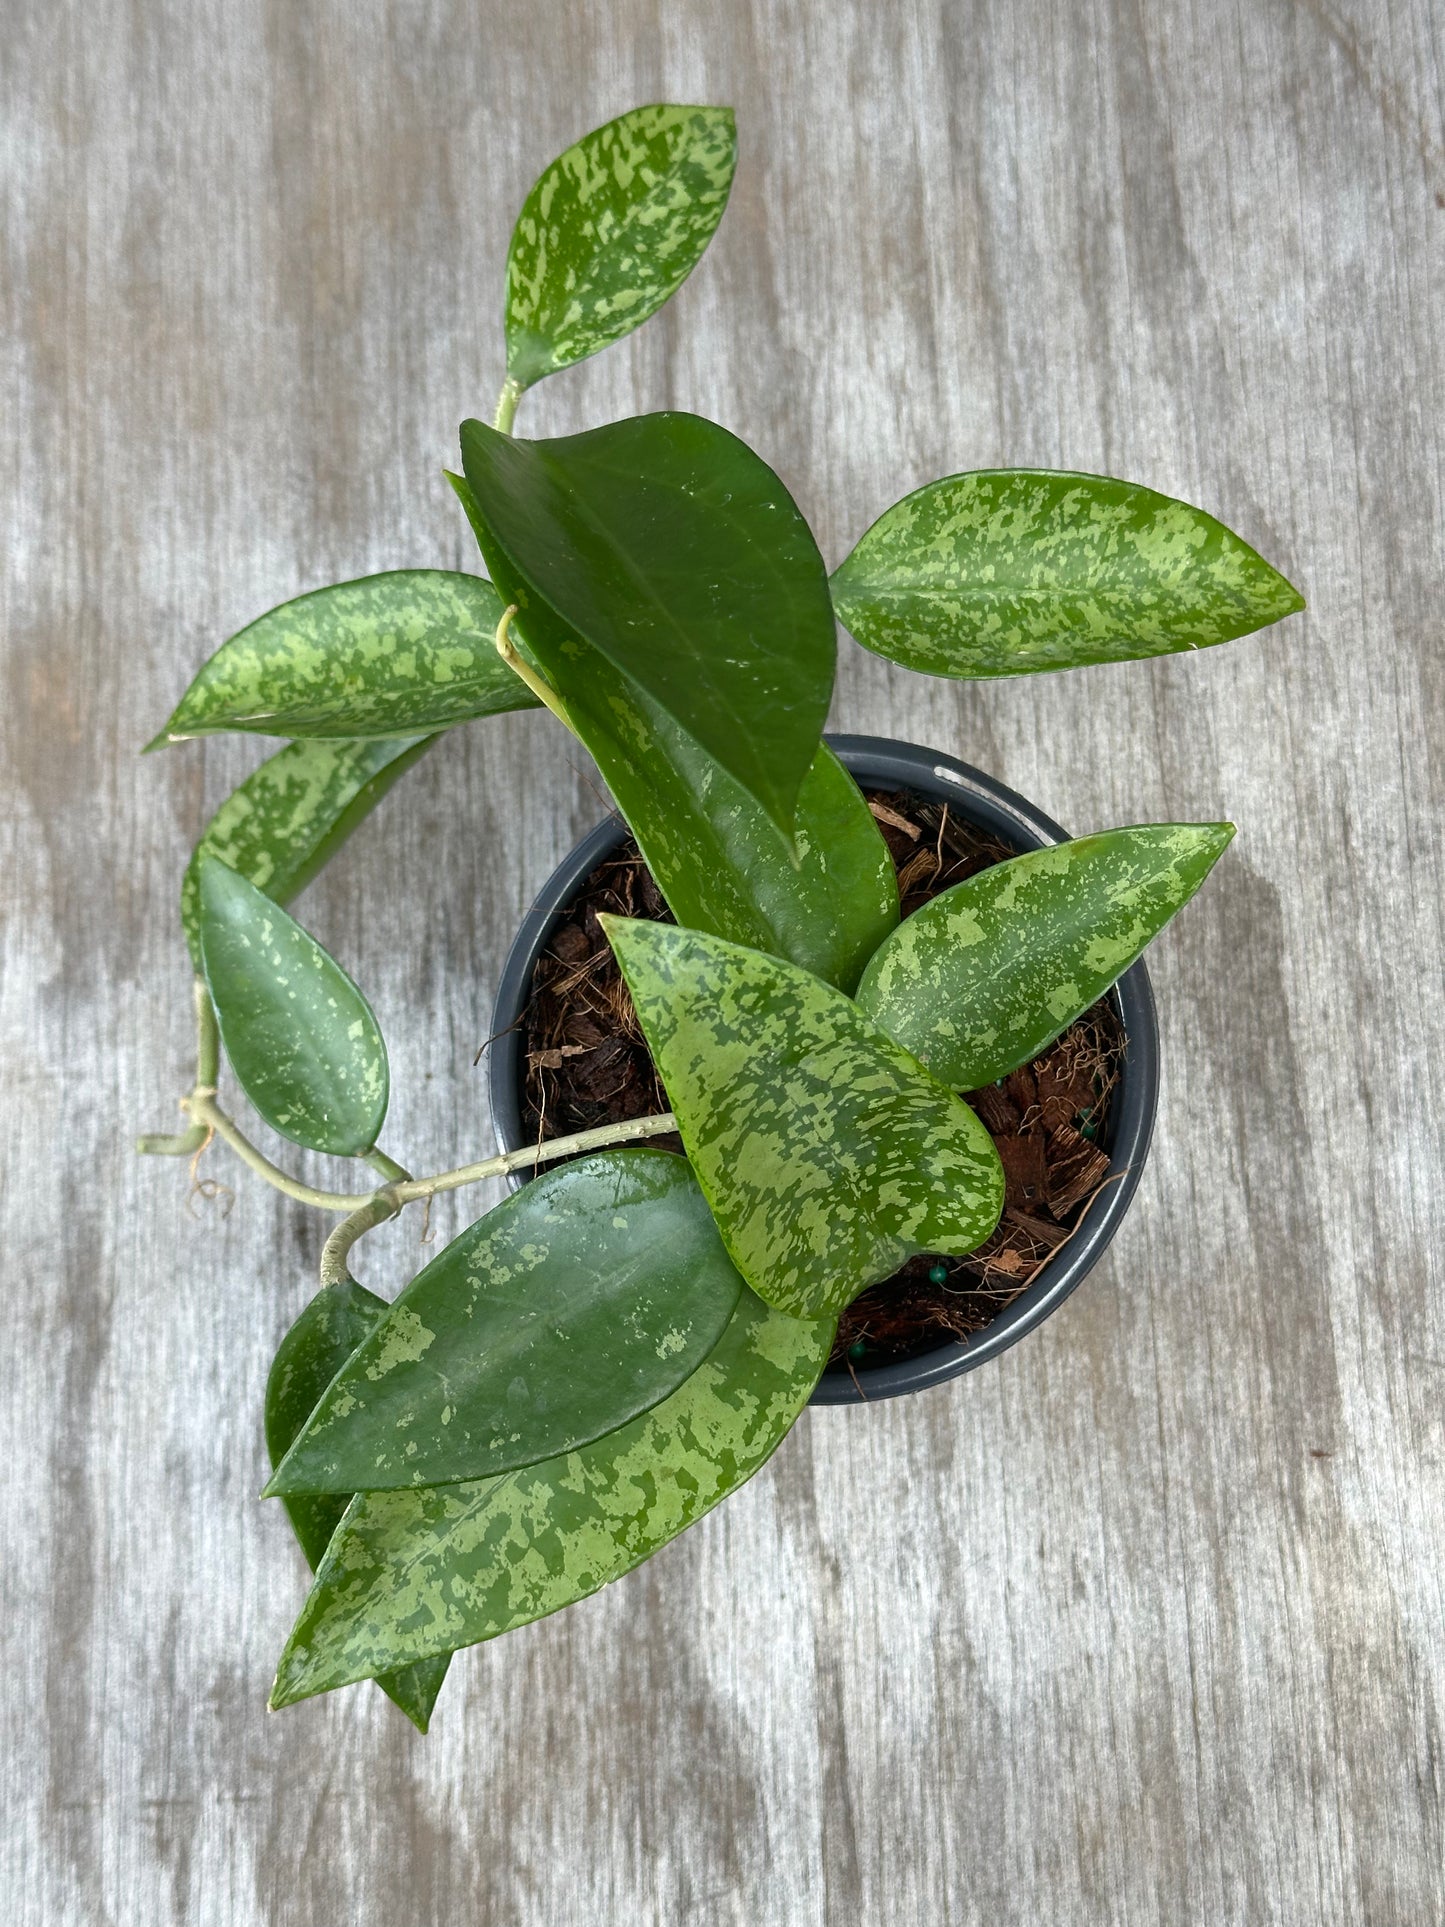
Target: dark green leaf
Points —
{"points": [[292, 814], [335, 1322], [665, 546], [578, 1304], [828, 1154], [300, 1036], [1007, 570], [389, 655], [612, 228], [986, 975], [717, 858], [722, 869], [410, 1574]]}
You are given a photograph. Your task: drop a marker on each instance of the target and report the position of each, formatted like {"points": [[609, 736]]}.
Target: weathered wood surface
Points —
{"points": [[1143, 1623]]}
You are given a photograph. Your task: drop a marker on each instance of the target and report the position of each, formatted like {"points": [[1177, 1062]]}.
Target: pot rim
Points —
{"points": [[992, 806]]}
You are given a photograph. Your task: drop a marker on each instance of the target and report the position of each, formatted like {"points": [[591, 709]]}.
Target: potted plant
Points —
{"points": [[563, 1057], [603, 1357]]}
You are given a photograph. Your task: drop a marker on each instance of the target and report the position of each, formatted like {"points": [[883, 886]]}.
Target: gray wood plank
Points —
{"points": [[1141, 1623]]}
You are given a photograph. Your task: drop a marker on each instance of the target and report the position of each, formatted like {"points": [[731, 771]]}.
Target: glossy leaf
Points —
{"points": [[389, 655], [611, 229], [335, 1322], [665, 546], [722, 869], [1009, 570], [986, 975], [300, 1036], [717, 858], [290, 816], [578, 1304], [410, 1574], [829, 1155]]}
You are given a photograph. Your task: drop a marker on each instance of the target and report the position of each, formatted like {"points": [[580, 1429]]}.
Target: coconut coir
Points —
{"points": [[587, 1063]]}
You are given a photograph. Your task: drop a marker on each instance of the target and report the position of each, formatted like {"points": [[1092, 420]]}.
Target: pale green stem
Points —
{"points": [[208, 1065], [208, 1035], [539, 686], [335, 1270], [203, 1107], [391, 1198], [364, 1210], [545, 1152], [507, 405], [388, 1167], [210, 1120]]}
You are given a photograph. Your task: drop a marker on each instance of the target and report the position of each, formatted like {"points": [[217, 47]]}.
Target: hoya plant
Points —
{"points": [[596, 1362]]}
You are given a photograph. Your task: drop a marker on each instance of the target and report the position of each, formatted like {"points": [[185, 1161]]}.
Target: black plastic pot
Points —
{"points": [[875, 761]]}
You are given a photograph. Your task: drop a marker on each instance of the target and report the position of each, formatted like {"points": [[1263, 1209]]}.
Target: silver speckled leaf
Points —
{"points": [[611, 229], [388, 655], [989, 973], [557, 1317], [1004, 571], [300, 1036], [829, 1155], [714, 852], [410, 1574], [289, 817], [328, 1331]]}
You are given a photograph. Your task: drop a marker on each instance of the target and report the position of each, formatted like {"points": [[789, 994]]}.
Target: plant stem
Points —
{"points": [[547, 1152], [364, 1210], [538, 685], [391, 1198], [203, 1107], [507, 406], [335, 1269], [208, 1065], [209, 1118], [208, 1035], [388, 1167]]}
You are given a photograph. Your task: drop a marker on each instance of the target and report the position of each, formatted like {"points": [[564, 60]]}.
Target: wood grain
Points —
{"points": [[1142, 1623]]}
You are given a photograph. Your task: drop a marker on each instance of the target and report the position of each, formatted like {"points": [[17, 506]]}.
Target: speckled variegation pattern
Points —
{"points": [[1007, 570], [986, 975], [300, 1036], [387, 655], [290, 816], [410, 1574], [827, 1152], [557, 1317], [333, 1324], [612, 228]]}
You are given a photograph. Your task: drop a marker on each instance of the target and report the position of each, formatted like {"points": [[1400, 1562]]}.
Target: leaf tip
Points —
{"points": [[1216, 838], [286, 1690], [627, 930]]}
